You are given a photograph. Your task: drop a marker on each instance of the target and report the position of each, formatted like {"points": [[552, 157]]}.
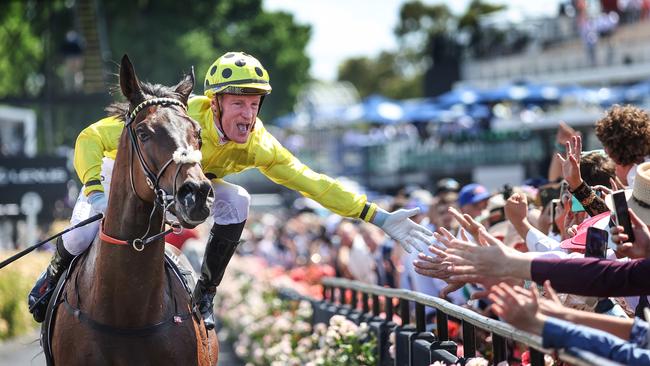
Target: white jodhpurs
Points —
{"points": [[231, 204], [78, 240]]}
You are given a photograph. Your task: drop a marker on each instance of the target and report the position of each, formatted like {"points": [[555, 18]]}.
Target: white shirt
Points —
{"points": [[536, 241], [362, 262]]}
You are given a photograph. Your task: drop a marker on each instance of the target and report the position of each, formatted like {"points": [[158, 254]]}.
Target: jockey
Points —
{"points": [[234, 140]]}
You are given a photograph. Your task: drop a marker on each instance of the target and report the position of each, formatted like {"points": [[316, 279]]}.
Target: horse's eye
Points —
{"points": [[143, 135]]}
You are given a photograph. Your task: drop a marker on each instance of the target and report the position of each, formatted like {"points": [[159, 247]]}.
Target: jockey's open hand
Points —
{"points": [[402, 229]]}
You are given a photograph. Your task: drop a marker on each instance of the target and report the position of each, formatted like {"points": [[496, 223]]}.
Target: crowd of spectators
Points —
{"points": [[523, 254]]}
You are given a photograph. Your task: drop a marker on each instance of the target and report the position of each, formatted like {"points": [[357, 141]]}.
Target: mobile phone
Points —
{"points": [[622, 215], [596, 243], [548, 193], [554, 203]]}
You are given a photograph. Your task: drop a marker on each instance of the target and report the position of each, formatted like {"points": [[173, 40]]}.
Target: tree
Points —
{"points": [[382, 75], [179, 35], [23, 44], [430, 41], [163, 37]]}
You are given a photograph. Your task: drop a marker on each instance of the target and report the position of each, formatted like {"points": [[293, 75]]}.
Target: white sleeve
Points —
{"points": [[536, 241]]}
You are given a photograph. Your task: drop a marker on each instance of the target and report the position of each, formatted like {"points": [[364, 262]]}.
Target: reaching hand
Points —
{"points": [[437, 267], [604, 191], [516, 208], [616, 184], [572, 231], [468, 223], [406, 232], [434, 267], [98, 201], [641, 246], [522, 311], [564, 133], [571, 165], [551, 304], [470, 262]]}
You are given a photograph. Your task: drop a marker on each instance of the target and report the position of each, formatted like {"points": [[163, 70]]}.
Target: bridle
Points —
{"points": [[162, 198]]}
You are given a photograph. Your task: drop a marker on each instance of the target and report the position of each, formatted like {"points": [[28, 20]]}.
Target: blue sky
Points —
{"points": [[346, 28]]}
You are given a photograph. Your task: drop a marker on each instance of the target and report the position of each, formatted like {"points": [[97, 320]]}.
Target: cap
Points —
{"points": [[472, 193]]}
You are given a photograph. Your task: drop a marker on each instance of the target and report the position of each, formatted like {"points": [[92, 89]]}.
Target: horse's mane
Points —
{"points": [[120, 109]]}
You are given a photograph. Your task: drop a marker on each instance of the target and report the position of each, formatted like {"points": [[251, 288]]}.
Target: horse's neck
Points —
{"points": [[128, 287]]}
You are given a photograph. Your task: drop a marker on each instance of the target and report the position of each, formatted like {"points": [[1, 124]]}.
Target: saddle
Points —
{"points": [[175, 263]]}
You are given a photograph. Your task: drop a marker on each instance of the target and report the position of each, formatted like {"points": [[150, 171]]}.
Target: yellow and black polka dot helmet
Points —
{"points": [[236, 73]]}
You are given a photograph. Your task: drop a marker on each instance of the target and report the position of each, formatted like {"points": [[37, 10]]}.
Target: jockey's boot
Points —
{"points": [[40, 295], [221, 246]]}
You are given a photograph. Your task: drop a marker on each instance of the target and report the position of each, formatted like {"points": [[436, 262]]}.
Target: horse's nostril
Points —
{"points": [[205, 190], [189, 200], [187, 192]]}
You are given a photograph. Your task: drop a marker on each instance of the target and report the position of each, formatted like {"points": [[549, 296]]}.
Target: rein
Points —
{"points": [[163, 199]]}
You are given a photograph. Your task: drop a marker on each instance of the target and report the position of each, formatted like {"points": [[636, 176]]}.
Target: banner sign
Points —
{"points": [[32, 184]]}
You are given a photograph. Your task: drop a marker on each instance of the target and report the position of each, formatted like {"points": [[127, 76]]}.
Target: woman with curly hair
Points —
{"points": [[625, 134]]}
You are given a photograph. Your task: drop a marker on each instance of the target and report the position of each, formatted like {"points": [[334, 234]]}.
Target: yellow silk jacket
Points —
{"points": [[221, 158]]}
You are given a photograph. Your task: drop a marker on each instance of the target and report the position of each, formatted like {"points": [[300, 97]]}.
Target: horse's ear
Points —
{"points": [[184, 87], [129, 82]]}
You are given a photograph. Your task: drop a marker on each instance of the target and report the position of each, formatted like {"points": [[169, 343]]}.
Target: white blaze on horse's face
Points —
{"points": [[187, 156], [186, 207]]}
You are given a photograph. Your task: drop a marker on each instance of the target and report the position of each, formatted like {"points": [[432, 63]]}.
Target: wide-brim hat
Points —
{"points": [[638, 198], [578, 242]]}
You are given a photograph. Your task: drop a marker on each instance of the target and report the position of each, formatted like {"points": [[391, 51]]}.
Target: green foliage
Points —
{"points": [[417, 17], [382, 75], [164, 38], [469, 23], [22, 49], [178, 36], [274, 38]]}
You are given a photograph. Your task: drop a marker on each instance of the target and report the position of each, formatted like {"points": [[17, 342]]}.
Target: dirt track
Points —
{"points": [[24, 350]]}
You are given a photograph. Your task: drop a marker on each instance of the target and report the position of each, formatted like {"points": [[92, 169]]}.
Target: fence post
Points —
{"points": [[413, 344], [469, 340], [441, 325], [355, 314], [375, 305], [403, 334], [365, 307], [536, 357], [499, 348]]}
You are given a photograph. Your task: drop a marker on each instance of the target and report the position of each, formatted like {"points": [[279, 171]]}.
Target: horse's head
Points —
{"points": [[167, 143]]}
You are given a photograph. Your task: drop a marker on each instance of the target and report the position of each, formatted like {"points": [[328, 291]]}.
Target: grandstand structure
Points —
{"points": [[620, 58]]}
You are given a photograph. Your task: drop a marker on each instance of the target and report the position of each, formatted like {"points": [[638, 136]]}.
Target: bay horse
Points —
{"points": [[120, 305]]}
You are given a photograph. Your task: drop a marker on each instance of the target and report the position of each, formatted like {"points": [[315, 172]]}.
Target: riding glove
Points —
{"points": [[402, 229], [98, 201]]}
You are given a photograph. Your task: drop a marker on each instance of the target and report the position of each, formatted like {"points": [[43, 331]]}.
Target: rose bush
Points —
{"points": [[268, 330]]}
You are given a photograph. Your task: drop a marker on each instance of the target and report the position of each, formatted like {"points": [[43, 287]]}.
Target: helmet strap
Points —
{"points": [[220, 110], [259, 108]]}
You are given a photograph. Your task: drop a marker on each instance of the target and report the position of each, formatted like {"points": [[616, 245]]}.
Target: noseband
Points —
{"points": [[162, 198]]}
